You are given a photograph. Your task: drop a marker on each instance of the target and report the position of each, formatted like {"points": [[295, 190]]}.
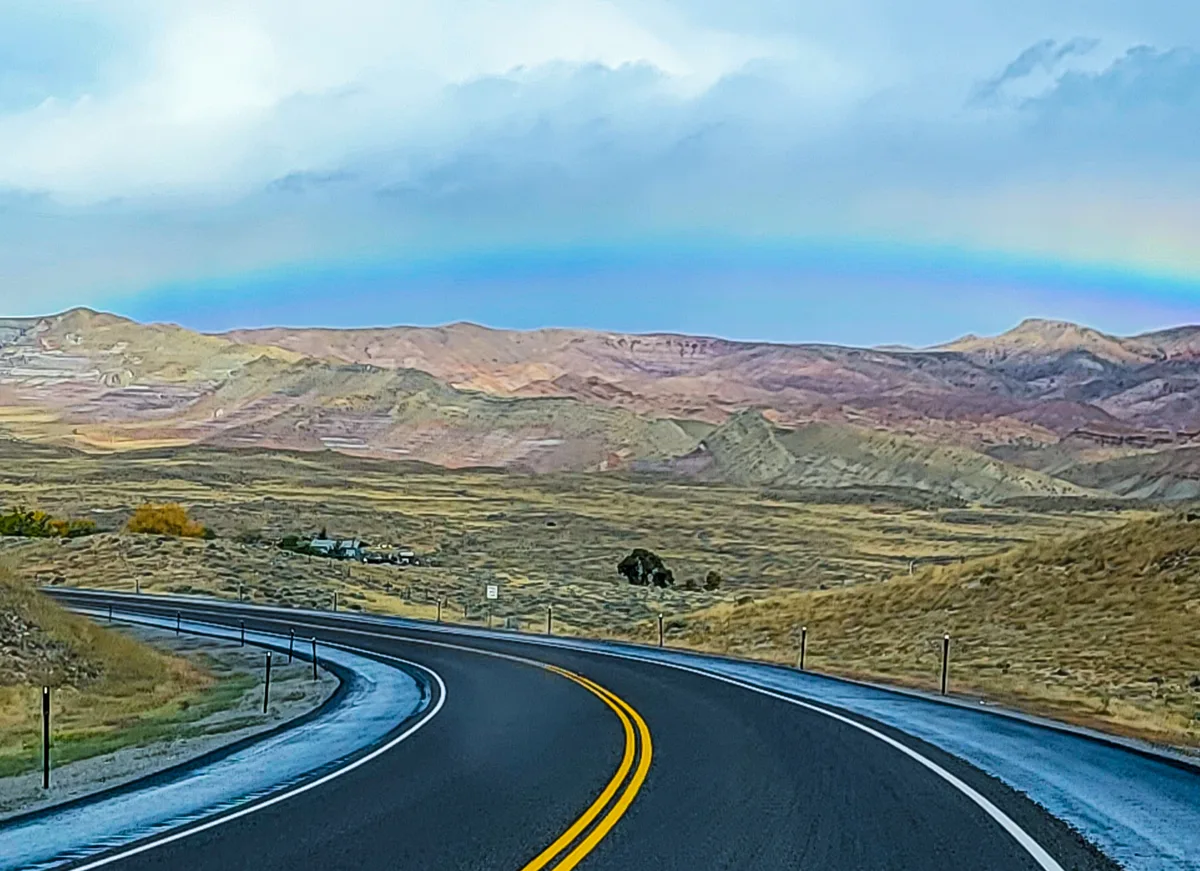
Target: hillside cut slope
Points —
{"points": [[749, 450], [1171, 474], [109, 690], [1102, 629], [42, 644]]}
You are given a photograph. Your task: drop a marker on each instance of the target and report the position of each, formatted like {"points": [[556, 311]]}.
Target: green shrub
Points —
{"points": [[39, 524]]}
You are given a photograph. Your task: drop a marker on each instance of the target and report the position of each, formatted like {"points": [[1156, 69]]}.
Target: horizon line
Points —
{"points": [[883, 347]]}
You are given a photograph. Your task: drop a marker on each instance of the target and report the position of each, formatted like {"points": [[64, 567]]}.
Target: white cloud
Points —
{"points": [[237, 135], [216, 105]]}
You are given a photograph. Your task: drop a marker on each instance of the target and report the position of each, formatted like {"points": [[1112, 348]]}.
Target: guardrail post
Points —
{"points": [[335, 601], [267, 683], [803, 645], [945, 662], [291, 644], [45, 737], [660, 630], [239, 591], [314, 646], [549, 619], [137, 586], [243, 633]]}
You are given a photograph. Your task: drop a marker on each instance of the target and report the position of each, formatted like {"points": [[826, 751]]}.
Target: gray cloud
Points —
{"points": [[1139, 115], [1046, 55], [1144, 80]]}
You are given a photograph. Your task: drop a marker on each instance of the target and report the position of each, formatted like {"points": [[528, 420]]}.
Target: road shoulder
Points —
{"points": [[232, 712]]}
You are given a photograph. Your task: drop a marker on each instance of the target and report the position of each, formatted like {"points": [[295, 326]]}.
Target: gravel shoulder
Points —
{"points": [[293, 694]]}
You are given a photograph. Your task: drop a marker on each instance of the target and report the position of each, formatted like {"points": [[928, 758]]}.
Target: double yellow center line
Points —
{"points": [[604, 813], [574, 845]]}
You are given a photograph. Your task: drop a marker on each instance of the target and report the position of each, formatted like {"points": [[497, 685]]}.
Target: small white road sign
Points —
{"points": [[493, 591]]}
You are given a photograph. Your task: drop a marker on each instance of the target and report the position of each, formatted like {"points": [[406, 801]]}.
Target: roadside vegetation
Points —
{"points": [[38, 524], [108, 691], [645, 568], [1101, 629], [171, 519]]}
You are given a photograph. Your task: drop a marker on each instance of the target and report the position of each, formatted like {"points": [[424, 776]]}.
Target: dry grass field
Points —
{"points": [[107, 689], [546, 540], [1026, 631], [1102, 629]]}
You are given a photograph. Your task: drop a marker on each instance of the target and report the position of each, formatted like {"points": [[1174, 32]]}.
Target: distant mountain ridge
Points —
{"points": [[1040, 381], [1021, 413], [1041, 338]]}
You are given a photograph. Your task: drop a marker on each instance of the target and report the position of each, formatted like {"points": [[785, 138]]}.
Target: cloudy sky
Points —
{"points": [[864, 171]]}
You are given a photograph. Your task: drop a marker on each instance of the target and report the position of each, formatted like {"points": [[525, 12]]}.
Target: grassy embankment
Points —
{"points": [[109, 691], [1100, 629]]}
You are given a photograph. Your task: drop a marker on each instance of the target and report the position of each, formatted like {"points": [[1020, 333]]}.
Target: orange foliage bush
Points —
{"points": [[166, 520]]}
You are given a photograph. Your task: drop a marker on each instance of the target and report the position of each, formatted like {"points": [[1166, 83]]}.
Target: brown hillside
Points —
{"points": [[1101, 629], [108, 689], [1038, 339], [406, 414], [45, 644], [42, 643], [102, 382], [1037, 382]]}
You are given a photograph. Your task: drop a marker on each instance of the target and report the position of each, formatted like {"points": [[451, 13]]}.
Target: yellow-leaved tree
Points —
{"points": [[170, 519]]}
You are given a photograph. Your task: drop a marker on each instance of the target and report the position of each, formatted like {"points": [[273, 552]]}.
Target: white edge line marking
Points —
{"points": [[1039, 853], [183, 833], [254, 808]]}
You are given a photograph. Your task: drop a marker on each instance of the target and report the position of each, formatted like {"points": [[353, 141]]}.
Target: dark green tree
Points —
{"points": [[645, 568]]}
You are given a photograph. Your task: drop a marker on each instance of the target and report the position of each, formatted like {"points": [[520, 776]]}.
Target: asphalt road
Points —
{"points": [[682, 773]]}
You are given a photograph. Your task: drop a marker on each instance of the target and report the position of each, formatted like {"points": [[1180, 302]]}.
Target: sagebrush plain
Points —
{"points": [[874, 573]]}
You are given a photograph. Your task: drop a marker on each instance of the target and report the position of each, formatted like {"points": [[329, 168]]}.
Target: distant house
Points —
{"points": [[322, 546], [337, 548]]}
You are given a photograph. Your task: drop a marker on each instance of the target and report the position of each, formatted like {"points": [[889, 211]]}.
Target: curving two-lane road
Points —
{"points": [[545, 758]]}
